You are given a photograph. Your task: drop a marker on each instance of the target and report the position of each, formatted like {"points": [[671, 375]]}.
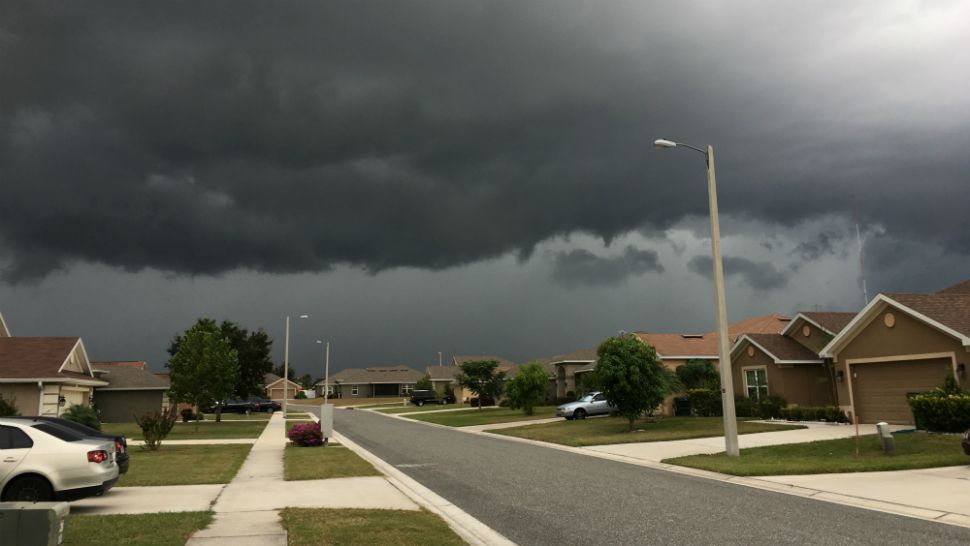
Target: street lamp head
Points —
{"points": [[662, 143], [319, 342], [304, 316]]}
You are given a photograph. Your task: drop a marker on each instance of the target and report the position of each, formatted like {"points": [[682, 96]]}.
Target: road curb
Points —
{"points": [[927, 514]]}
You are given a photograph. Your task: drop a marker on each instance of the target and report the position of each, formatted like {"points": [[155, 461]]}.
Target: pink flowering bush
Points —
{"points": [[306, 435]]}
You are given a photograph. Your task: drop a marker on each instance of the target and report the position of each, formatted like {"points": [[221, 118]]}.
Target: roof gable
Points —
{"points": [[830, 322], [126, 376], [948, 313], [47, 358], [782, 349], [670, 345]]}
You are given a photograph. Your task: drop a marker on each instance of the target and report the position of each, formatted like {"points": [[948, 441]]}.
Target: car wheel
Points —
{"points": [[248, 411], [419, 403], [569, 418], [579, 414], [28, 489], [269, 410]]}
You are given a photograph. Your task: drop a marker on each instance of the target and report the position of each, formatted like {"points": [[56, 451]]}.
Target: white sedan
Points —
{"points": [[41, 461]]}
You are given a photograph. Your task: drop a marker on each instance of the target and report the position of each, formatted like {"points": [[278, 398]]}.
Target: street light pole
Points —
{"points": [[286, 362], [723, 341]]}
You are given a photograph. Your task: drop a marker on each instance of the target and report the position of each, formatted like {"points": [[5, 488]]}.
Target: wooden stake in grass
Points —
{"points": [[855, 419]]}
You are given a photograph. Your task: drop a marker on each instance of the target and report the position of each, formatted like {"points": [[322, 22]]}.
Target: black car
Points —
{"points": [[268, 406], [230, 406], [966, 442], [420, 398], [121, 443]]}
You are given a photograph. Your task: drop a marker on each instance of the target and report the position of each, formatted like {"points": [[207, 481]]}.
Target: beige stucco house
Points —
{"points": [[45, 375], [897, 345], [132, 390]]}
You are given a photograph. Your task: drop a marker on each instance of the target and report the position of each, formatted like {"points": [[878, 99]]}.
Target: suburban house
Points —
{"points": [[442, 376], [277, 389], [570, 367], [45, 375], [787, 364], [132, 390], [393, 381], [900, 344]]}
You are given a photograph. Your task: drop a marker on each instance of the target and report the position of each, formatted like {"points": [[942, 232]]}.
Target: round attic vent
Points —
{"points": [[806, 331], [750, 350], [889, 320]]}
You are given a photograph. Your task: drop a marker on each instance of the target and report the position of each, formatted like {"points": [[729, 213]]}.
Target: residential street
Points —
{"points": [[535, 495]]}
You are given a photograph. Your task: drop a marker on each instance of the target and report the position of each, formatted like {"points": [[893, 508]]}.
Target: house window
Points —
{"points": [[354, 391], [330, 390], [756, 383], [406, 389]]}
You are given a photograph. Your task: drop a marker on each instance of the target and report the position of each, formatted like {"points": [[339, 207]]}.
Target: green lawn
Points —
{"points": [[432, 407], [913, 450], [470, 417], [184, 465], [321, 463], [190, 431], [613, 430], [164, 529], [349, 527]]}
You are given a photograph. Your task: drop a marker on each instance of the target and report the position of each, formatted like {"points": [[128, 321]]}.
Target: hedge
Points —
{"points": [[941, 412], [832, 414]]}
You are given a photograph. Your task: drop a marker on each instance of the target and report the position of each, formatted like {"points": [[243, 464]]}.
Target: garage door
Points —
{"points": [[880, 388]]}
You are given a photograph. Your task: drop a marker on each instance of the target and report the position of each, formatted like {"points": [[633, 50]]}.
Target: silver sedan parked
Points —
{"points": [[593, 403], [41, 461]]}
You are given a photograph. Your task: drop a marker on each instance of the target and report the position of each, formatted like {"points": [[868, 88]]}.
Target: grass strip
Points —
{"points": [[354, 527], [613, 430], [184, 465], [430, 407], [195, 431], [471, 417], [913, 450], [162, 529], [321, 463]]}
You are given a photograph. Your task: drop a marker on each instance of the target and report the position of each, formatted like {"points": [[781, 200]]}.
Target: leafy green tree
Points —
{"points": [[8, 408], [85, 415], [632, 377], [480, 378], [528, 387], [291, 375], [306, 381], [424, 384], [699, 373], [205, 368], [253, 349]]}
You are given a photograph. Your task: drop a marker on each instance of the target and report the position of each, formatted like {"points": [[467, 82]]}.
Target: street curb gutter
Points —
{"points": [[471, 530], [927, 514]]}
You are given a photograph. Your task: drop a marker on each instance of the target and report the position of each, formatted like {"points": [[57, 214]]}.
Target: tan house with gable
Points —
{"points": [[376, 382], [787, 364], [897, 345], [45, 375]]}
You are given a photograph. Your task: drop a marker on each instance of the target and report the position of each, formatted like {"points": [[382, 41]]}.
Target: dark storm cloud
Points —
{"points": [[758, 275], [200, 138], [582, 267]]}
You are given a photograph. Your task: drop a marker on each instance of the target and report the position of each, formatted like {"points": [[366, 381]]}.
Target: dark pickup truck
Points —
{"points": [[420, 398]]}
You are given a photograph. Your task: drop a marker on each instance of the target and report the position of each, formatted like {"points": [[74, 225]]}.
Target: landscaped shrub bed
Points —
{"points": [[831, 414], [941, 412], [306, 435], [707, 403]]}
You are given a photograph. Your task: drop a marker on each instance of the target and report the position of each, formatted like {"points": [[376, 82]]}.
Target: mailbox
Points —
{"points": [[886, 437], [33, 523]]}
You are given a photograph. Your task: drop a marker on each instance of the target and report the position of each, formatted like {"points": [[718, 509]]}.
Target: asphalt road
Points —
{"points": [[536, 496]]}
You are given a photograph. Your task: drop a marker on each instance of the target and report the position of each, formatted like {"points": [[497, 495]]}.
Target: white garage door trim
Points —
{"points": [[876, 360]]}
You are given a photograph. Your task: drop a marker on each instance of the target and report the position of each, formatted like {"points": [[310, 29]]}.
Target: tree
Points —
{"points": [[291, 373], [632, 377], [205, 368], [480, 378], [699, 373], [306, 381], [528, 387], [253, 349], [424, 384]]}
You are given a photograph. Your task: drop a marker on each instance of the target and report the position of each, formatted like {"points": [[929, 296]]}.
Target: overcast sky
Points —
{"points": [[469, 177]]}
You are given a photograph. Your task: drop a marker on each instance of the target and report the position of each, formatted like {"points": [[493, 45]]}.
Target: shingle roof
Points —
{"points": [[443, 373], [122, 376], [783, 347], [705, 345], [397, 374], [949, 309], [579, 355], [125, 363], [40, 357], [270, 378], [834, 322], [959, 288]]}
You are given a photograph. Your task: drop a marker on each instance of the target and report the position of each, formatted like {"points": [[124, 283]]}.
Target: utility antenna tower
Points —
{"points": [[862, 267]]}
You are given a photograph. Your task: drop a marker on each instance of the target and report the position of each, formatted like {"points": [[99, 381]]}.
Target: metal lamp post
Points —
{"points": [[326, 410], [724, 351], [286, 362]]}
